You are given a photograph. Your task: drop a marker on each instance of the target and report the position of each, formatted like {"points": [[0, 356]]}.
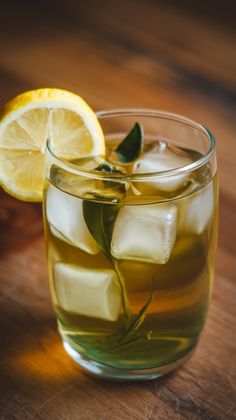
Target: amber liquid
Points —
{"points": [[164, 306]]}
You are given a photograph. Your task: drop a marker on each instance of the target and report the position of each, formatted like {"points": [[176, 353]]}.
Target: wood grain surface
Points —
{"points": [[115, 54]]}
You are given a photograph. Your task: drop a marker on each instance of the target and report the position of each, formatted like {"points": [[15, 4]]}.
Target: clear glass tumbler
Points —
{"points": [[131, 252]]}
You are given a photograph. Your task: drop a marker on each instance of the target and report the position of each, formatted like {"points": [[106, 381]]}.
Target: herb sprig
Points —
{"points": [[100, 219], [131, 147]]}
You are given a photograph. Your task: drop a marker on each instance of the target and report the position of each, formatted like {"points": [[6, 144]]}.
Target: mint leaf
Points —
{"points": [[138, 320], [130, 148], [100, 219], [108, 168], [131, 333]]}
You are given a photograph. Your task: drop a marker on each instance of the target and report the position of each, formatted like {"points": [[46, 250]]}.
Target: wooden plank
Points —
{"points": [[118, 55]]}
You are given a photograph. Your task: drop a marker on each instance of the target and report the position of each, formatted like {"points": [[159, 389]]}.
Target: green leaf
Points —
{"points": [[115, 185], [138, 320], [107, 167], [130, 148], [131, 334], [125, 300], [100, 219]]}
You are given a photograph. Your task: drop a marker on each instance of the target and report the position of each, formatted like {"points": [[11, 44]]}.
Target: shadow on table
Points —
{"points": [[31, 350]]}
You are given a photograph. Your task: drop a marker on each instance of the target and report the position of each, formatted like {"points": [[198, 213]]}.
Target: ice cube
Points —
{"points": [[86, 291], [145, 233], [59, 235], [163, 160], [196, 211], [65, 215]]}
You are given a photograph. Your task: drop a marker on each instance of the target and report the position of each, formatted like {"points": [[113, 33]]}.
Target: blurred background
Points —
{"points": [[113, 51], [175, 55]]}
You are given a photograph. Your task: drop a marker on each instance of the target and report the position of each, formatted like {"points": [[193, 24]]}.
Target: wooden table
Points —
{"points": [[120, 54]]}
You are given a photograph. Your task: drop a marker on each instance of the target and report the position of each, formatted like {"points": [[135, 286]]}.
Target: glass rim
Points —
{"points": [[144, 112]]}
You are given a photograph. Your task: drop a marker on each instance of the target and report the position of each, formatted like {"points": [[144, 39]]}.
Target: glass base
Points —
{"points": [[108, 372]]}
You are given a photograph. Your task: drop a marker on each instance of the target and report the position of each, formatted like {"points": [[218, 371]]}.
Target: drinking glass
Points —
{"points": [[131, 251]]}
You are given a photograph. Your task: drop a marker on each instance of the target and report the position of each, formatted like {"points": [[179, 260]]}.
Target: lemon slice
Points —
{"points": [[25, 124]]}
